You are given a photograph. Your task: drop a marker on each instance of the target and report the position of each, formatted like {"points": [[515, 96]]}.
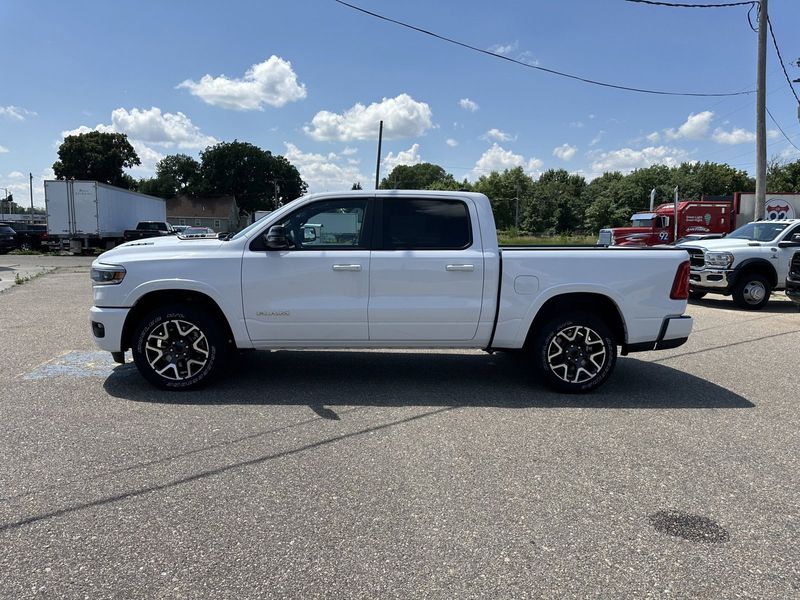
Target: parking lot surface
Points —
{"points": [[397, 474]]}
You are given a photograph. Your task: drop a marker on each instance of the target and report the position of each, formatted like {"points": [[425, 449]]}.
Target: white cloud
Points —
{"points": [[576, 124], [348, 151], [497, 158], [734, 136], [695, 127], [404, 157], [148, 156], [154, 127], [271, 82], [528, 58], [468, 104], [15, 175], [627, 159], [21, 189], [16, 112], [451, 142], [653, 137], [402, 117], [3, 149], [596, 139], [498, 135], [565, 152], [504, 48], [323, 173]]}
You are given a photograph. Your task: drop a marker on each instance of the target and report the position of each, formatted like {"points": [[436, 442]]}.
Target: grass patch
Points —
{"points": [[507, 239], [21, 252]]}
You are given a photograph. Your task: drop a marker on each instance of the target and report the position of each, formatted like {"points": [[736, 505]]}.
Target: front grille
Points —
{"points": [[696, 258], [604, 237], [794, 269]]}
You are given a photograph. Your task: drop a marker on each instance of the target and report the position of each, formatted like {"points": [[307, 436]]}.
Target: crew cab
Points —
{"points": [[748, 264], [148, 229], [384, 269]]}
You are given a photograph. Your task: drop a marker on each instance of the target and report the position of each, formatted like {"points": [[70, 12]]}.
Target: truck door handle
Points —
{"points": [[346, 267], [460, 267]]}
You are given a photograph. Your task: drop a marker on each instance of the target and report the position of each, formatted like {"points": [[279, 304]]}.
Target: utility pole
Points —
{"points": [[516, 212], [378, 167], [761, 110], [30, 175]]}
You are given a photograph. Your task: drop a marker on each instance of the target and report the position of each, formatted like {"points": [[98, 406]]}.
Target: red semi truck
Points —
{"points": [[702, 218]]}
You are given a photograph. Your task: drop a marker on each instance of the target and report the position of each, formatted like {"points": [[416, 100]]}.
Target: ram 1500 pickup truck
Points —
{"points": [[384, 269], [748, 264]]}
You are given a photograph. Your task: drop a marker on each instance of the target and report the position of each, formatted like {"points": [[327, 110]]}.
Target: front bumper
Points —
{"points": [[107, 325], [674, 332], [710, 280], [793, 289]]}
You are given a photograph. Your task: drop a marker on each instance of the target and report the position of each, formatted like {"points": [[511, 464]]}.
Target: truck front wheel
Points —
{"points": [[751, 291], [178, 347], [575, 353]]}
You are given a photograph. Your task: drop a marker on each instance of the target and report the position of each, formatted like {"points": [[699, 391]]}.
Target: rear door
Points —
{"points": [[427, 269]]}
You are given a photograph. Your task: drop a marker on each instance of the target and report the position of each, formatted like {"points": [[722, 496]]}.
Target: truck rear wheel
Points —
{"points": [[751, 291], [575, 353], [178, 347]]}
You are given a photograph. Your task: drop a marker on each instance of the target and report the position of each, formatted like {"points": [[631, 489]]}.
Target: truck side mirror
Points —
{"points": [[276, 238]]}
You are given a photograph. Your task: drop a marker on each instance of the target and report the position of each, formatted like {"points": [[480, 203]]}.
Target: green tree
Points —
{"points": [[254, 176], [506, 191], [558, 205], [97, 156], [783, 177], [356, 186], [416, 177]]}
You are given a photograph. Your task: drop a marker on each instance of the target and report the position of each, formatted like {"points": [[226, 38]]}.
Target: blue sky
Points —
{"points": [[310, 79]]}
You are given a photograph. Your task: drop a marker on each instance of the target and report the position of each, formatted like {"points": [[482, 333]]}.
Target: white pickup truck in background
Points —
{"points": [[748, 264], [403, 269]]}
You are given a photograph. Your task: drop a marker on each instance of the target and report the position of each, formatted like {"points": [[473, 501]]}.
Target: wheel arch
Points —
{"points": [[589, 302], [759, 266], [154, 299]]}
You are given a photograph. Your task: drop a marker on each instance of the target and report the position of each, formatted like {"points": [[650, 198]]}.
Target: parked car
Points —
{"points": [[417, 269], [8, 238], [148, 229], [198, 232], [793, 279], [30, 237], [180, 228], [748, 264]]}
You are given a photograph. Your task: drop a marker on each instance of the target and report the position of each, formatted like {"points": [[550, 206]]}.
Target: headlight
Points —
{"points": [[107, 274], [719, 259]]}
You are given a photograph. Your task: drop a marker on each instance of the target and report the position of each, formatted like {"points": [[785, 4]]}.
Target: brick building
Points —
{"points": [[221, 214]]}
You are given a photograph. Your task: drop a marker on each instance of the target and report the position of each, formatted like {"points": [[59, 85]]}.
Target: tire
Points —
{"points": [[697, 295], [585, 344], [751, 291], [195, 354]]}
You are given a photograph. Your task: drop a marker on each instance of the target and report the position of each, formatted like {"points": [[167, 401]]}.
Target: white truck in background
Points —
{"points": [[88, 214]]}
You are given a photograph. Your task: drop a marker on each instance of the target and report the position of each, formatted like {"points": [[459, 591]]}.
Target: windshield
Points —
{"points": [[760, 231], [248, 230], [641, 222]]}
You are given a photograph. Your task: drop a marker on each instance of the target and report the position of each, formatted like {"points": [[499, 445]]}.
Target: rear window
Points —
{"points": [[417, 224]]}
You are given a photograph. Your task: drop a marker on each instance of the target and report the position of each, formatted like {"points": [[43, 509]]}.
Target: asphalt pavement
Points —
{"points": [[396, 474]]}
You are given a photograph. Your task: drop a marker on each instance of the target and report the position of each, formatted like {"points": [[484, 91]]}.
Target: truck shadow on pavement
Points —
{"points": [[321, 379], [725, 303]]}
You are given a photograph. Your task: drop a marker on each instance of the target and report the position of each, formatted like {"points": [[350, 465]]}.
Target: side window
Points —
{"points": [[792, 233], [417, 224], [330, 224]]}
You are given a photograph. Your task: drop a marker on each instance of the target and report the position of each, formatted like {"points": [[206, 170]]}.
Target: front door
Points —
{"points": [[315, 291], [427, 271]]}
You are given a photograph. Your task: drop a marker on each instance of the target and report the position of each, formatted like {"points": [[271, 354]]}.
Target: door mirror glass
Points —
{"points": [[276, 237], [309, 233]]}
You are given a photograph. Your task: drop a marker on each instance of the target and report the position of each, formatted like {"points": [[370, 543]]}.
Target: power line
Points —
{"points": [[781, 129], [780, 59], [536, 67], [680, 5]]}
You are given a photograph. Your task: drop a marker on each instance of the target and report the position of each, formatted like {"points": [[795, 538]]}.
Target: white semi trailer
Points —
{"points": [[90, 214]]}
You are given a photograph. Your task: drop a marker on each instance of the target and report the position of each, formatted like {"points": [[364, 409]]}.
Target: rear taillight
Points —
{"points": [[680, 286]]}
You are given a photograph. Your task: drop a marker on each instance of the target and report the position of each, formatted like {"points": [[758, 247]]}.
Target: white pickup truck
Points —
{"points": [[404, 269], [748, 264]]}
